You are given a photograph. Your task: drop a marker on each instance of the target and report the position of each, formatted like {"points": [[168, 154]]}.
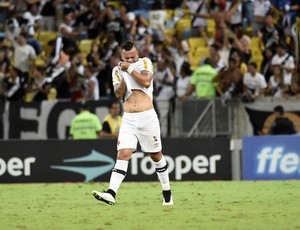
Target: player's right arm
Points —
{"points": [[118, 83]]}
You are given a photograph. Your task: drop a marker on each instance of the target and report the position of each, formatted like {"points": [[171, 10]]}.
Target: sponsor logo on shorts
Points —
{"points": [[155, 139]]}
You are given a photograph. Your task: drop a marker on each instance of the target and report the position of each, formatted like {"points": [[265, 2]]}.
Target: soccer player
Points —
{"points": [[133, 81]]}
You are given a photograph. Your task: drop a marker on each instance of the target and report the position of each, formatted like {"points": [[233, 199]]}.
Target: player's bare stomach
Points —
{"points": [[138, 102]]}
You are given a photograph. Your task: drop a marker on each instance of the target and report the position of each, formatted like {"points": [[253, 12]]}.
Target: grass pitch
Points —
{"points": [[197, 205]]}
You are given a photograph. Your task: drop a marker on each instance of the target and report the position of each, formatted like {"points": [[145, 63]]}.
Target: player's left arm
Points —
{"points": [[144, 77]]}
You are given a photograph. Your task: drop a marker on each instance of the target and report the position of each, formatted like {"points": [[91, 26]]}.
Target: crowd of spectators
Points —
{"points": [[66, 73]]}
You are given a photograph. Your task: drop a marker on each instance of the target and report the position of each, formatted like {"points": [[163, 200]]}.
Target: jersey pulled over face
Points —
{"points": [[130, 56]]}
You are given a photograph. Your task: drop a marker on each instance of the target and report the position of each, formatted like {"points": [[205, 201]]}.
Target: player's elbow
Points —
{"points": [[119, 95], [147, 84]]}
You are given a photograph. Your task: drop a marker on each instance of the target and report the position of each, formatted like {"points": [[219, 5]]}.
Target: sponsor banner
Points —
{"points": [[93, 160], [261, 115], [43, 120], [271, 158]]}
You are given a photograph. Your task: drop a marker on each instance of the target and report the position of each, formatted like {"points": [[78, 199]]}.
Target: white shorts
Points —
{"points": [[140, 127]]}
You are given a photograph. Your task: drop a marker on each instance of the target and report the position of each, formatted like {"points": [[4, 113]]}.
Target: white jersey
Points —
{"points": [[288, 62], [255, 83], [157, 18], [140, 65]]}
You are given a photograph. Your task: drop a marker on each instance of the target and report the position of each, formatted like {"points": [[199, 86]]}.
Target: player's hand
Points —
{"points": [[123, 65]]}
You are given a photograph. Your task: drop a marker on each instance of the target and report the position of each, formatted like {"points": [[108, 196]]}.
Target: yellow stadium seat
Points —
{"points": [[115, 4], [170, 13], [183, 24], [258, 60], [186, 12], [45, 36], [211, 27], [196, 42], [169, 32], [85, 45], [254, 41], [254, 47], [195, 57], [249, 31]]}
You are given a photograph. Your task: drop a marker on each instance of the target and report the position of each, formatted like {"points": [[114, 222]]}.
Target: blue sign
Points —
{"points": [[271, 157]]}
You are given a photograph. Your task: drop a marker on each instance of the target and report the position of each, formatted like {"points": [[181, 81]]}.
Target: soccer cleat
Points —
{"points": [[104, 197], [168, 203]]}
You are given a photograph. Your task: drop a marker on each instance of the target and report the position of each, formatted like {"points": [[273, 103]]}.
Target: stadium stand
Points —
{"points": [[196, 42]]}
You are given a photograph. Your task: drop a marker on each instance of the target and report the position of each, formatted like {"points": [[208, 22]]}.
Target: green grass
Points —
{"points": [[197, 205]]}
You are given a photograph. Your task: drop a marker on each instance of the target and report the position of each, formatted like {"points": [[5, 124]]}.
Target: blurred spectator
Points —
{"points": [[32, 16], [85, 125], [128, 21], [4, 64], [282, 125], [55, 79], [14, 90], [111, 23], [140, 31], [222, 17], [145, 45], [248, 8], [61, 51], [48, 13], [241, 43], [112, 122], [254, 84], [178, 49], [230, 81], [79, 10], [24, 55], [276, 87], [261, 8], [286, 61], [94, 57], [202, 82], [236, 20], [91, 84], [295, 89], [96, 9], [239, 62], [183, 81], [287, 11], [156, 53], [271, 33], [65, 28], [198, 24], [164, 80], [266, 65], [109, 47], [217, 61], [104, 77], [37, 80], [16, 22], [75, 81], [157, 19]]}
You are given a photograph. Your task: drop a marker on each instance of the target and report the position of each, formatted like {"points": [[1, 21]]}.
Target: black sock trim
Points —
{"points": [[167, 195], [111, 192], [162, 169], [119, 171]]}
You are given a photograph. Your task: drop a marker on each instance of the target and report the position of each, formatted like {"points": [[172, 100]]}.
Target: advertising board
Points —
{"points": [[92, 160]]}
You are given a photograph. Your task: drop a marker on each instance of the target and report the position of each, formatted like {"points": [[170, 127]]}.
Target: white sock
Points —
{"points": [[163, 173], [118, 174]]}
